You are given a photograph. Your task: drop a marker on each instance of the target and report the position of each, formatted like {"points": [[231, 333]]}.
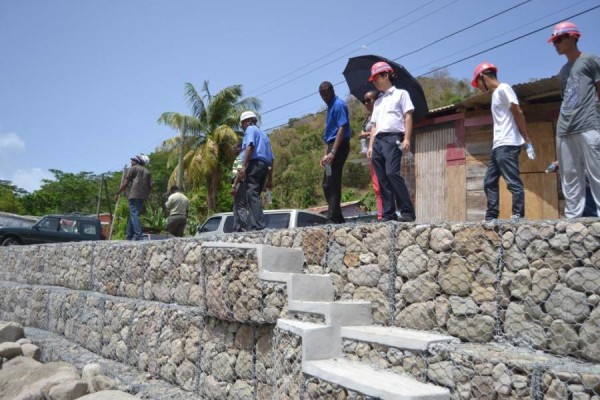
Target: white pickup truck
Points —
{"points": [[275, 219]]}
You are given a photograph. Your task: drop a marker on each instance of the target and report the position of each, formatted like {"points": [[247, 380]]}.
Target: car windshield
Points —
{"points": [[48, 224]]}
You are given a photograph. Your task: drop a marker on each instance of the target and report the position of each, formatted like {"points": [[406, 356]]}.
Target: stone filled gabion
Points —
{"points": [[289, 381]]}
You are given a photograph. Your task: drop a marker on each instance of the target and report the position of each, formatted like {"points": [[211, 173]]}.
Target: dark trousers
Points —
{"points": [[240, 209], [176, 224], [504, 162], [256, 177], [386, 159], [332, 184]]}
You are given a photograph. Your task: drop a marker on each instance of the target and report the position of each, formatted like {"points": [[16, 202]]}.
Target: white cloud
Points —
{"points": [[30, 179], [11, 141]]}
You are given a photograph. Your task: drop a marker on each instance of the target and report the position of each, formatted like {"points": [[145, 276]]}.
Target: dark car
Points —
{"points": [[52, 229]]}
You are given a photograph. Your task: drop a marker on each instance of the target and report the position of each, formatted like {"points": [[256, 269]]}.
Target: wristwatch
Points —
{"points": [[332, 152]]}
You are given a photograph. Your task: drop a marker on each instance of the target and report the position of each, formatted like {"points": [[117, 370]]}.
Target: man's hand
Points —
{"points": [[405, 146], [327, 159]]}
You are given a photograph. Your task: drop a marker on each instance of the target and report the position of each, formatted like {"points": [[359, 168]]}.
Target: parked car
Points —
{"points": [[274, 219], [54, 228]]}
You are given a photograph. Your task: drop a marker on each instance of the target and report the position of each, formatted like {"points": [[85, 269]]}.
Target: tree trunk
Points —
{"points": [[213, 189]]}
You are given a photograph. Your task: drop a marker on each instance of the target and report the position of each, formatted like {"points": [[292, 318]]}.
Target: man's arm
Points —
{"points": [[339, 138], [516, 111], [371, 140], [247, 154], [408, 127]]}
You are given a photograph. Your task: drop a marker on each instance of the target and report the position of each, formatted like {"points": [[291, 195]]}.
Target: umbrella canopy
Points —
{"points": [[358, 71]]}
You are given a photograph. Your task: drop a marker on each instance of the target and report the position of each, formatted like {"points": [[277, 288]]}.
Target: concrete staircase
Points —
{"points": [[322, 354]]}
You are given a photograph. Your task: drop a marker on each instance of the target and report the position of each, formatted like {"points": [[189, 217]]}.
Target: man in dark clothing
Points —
{"points": [[138, 181], [257, 157], [337, 139]]}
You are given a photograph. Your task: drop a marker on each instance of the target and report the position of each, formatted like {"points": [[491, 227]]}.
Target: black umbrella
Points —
{"points": [[358, 71]]}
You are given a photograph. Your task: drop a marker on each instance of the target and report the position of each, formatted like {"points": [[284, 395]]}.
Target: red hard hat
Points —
{"points": [[562, 28], [484, 66], [378, 68]]}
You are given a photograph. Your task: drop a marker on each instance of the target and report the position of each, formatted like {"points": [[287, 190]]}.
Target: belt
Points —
{"points": [[260, 160], [384, 134]]}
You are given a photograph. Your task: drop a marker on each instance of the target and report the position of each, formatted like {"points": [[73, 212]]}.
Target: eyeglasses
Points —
{"points": [[560, 38], [368, 100]]}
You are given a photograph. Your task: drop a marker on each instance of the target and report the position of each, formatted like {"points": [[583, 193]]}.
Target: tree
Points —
{"points": [[210, 149], [10, 197], [442, 90]]}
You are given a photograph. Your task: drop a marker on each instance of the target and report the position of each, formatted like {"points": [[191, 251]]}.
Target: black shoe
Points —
{"points": [[406, 218]]}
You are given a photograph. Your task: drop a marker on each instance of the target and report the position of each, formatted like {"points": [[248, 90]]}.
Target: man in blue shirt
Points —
{"points": [[257, 157], [337, 138]]}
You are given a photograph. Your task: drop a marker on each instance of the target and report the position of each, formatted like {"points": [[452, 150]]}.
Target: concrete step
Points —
{"points": [[338, 313], [318, 341], [372, 382], [274, 263], [307, 287], [406, 339]]}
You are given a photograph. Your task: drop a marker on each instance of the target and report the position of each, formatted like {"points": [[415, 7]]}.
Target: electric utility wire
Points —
{"points": [[341, 48], [499, 35], [359, 48], [455, 62]]}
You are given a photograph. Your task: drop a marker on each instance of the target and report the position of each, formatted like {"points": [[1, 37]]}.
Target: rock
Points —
{"points": [[443, 373], [515, 260], [562, 338], [519, 326], [423, 288], [69, 390], [10, 350], [537, 249], [365, 275], [31, 351], [96, 381], [441, 239], [567, 304], [23, 377], [584, 280], [462, 306], [520, 285], [478, 328], [502, 379], [109, 395], [418, 316], [412, 262], [589, 336], [542, 284], [23, 341], [456, 278], [11, 332]]}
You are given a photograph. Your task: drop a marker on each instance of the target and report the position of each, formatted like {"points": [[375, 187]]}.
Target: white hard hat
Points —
{"points": [[141, 159], [246, 115]]}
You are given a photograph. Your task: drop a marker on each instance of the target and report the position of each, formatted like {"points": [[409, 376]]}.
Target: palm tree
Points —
{"points": [[207, 154]]}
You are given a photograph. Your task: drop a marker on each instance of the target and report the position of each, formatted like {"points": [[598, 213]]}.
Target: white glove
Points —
{"points": [[530, 151]]}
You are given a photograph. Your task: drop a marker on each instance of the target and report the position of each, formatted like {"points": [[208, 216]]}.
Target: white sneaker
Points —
{"points": [[516, 217]]}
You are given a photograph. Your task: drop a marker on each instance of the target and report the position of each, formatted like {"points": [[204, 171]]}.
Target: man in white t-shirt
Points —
{"points": [[510, 133]]}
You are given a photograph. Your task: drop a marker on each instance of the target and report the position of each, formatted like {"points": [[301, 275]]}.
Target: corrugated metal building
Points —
{"points": [[452, 149]]}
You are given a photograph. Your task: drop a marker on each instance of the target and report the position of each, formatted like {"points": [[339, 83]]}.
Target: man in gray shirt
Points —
{"points": [[138, 180], [578, 127]]}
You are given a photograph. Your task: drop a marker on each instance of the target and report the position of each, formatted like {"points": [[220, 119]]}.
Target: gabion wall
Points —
{"points": [[529, 285]]}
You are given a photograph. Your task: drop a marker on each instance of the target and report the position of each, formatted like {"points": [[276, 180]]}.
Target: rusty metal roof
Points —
{"points": [[536, 90]]}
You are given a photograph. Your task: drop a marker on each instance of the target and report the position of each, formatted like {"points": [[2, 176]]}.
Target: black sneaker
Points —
{"points": [[406, 218]]}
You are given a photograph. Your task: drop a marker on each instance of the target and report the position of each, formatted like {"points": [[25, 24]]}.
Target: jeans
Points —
{"points": [[505, 163], [134, 227]]}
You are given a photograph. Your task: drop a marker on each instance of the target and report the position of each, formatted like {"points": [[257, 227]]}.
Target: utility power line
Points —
{"points": [[452, 63]]}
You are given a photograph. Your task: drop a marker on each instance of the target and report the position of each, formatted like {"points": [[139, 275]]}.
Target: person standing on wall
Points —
{"points": [[257, 158], [337, 140], [510, 132], [178, 207], [390, 136], [138, 181], [578, 127], [369, 102]]}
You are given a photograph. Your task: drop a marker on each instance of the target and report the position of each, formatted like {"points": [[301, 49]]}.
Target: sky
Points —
{"points": [[83, 83]]}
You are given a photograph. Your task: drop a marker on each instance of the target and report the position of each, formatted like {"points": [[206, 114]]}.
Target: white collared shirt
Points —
{"points": [[389, 110]]}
